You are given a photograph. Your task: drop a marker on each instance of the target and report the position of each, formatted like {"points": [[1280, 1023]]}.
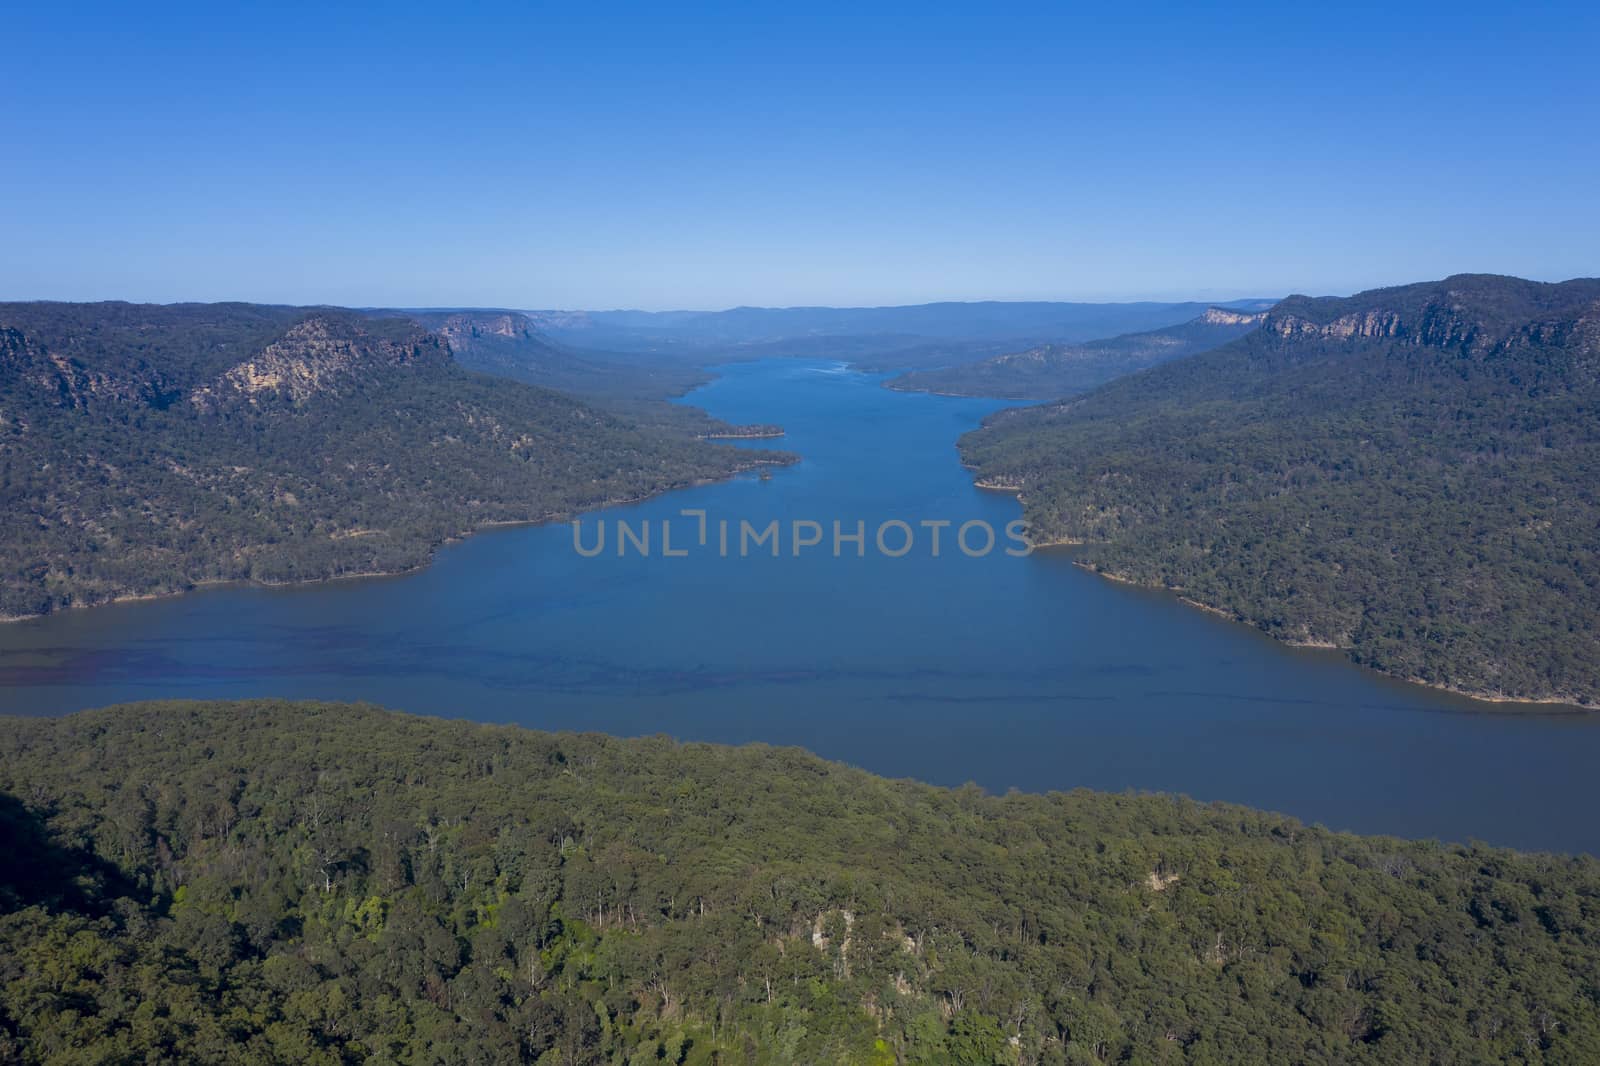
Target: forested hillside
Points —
{"points": [[1051, 371], [1409, 474], [318, 883], [146, 449]]}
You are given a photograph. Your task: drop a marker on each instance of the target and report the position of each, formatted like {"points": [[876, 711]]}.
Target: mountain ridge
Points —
{"points": [[1405, 474], [149, 449], [1049, 371]]}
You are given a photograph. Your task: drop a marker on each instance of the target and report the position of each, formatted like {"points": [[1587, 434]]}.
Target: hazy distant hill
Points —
{"points": [[506, 344], [509, 344], [1410, 474], [1052, 371], [921, 335], [146, 449]]}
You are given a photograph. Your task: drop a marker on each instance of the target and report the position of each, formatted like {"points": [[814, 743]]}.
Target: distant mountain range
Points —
{"points": [[147, 449], [1051, 371], [916, 336], [1409, 474]]}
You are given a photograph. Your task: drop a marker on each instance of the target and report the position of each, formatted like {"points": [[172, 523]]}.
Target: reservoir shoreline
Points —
{"points": [[1024, 673], [1502, 702]]}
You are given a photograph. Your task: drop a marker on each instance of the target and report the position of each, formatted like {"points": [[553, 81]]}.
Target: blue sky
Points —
{"points": [[708, 157]]}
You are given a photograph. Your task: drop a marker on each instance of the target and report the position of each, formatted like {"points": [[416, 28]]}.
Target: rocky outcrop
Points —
{"points": [[1469, 313], [1367, 324], [1221, 316], [66, 381], [319, 355], [464, 328]]}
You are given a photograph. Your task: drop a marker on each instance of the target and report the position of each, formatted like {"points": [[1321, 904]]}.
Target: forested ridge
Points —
{"points": [[1051, 371], [1408, 474], [150, 448], [318, 883]]}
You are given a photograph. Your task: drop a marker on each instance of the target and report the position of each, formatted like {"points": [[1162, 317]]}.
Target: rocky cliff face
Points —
{"points": [[86, 356], [66, 382], [507, 343], [463, 329], [1221, 316], [1473, 314], [1365, 324], [319, 355]]}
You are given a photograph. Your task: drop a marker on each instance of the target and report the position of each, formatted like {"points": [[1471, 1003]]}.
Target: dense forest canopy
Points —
{"points": [[1409, 474], [1051, 371], [320, 883], [146, 449]]}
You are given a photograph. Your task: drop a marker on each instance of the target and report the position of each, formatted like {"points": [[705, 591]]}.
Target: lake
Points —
{"points": [[1010, 672]]}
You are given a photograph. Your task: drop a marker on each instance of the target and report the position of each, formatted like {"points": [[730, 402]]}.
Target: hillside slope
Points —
{"points": [[1409, 474], [314, 883], [147, 449], [1051, 371]]}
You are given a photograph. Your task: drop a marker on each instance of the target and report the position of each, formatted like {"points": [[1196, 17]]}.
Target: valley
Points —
{"points": [[1032, 673]]}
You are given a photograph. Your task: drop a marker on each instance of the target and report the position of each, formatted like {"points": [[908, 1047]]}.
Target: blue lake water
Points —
{"points": [[1011, 672]]}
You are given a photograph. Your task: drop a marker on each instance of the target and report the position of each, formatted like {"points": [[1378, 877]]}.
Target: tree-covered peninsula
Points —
{"points": [[147, 449], [267, 882], [1407, 474]]}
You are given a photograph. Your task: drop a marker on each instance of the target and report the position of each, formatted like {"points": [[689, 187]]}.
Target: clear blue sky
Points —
{"points": [[527, 157]]}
